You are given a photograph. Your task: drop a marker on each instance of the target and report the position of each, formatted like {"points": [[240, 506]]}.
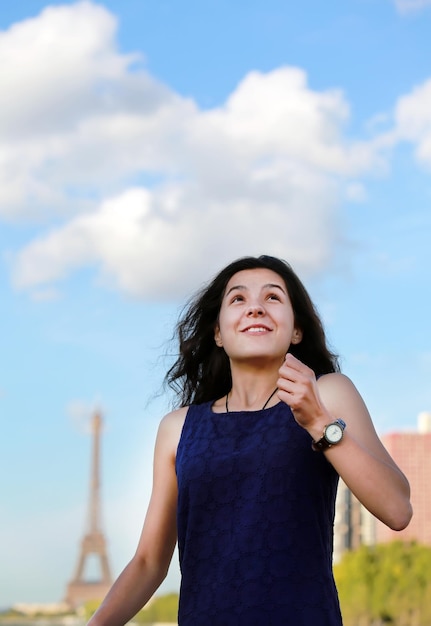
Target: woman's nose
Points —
{"points": [[255, 310]]}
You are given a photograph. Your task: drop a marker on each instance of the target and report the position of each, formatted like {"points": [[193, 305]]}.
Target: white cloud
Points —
{"points": [[74, 115], [150, 252], [413, 121], [355, 192], [53, 67], [149, 187], [277, 116], [410, 6]]}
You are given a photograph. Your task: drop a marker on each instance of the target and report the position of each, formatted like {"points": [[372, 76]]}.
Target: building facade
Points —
{"points": [[355, 526], [412, 453]]}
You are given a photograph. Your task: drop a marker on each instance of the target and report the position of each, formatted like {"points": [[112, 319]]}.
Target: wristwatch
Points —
{"points": [[332, 434]]}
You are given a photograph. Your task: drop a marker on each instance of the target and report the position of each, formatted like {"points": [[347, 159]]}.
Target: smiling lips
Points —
{"points": [[256, 330]]}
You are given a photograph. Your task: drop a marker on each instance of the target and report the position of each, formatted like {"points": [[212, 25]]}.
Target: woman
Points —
{"points": [[246, 471]]}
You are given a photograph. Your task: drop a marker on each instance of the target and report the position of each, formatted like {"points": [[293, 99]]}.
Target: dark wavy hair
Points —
{"points": [[201, 372]]}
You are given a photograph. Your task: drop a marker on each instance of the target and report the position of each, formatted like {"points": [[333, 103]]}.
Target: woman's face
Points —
{"points": [[256, 318]]}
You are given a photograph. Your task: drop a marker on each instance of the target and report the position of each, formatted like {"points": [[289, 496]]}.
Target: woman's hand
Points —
{"points": [[297, 387]]}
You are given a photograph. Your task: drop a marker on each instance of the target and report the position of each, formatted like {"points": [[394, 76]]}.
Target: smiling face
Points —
{"points": [[256, 318]]}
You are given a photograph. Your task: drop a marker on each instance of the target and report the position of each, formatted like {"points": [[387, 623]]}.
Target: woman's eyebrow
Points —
{"points": [[266, 286], [274, 286], [240, 287]]}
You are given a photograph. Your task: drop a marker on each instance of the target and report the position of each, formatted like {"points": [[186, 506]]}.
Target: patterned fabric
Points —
{"points": [[255, 521]]}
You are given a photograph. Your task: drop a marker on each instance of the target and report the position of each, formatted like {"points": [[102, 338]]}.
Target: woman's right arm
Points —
{"points": [[149, 566]]}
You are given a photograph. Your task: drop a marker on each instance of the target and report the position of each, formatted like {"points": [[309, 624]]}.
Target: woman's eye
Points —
{"points": [[273, 296], [238, 298]]}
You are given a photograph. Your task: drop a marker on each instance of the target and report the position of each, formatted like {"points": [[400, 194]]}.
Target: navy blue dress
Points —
{"points": [[255, 521]]}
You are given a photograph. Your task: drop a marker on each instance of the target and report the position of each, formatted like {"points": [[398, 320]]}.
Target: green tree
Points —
{"points": [[160, 609], [89, 608], [386, 584]]}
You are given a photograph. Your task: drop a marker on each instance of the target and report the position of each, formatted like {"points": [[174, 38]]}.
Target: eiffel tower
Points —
{"points": [[79, 590]]}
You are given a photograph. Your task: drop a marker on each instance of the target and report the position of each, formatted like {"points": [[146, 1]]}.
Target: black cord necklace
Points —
{"points": [[264, 406]]}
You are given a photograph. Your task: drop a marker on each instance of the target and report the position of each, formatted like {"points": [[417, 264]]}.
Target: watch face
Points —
{"points": [[333, 433]]}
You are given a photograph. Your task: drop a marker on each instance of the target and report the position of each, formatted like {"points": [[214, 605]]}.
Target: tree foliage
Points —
{"points": [[162, 609], [386, 584], [89, 608]]}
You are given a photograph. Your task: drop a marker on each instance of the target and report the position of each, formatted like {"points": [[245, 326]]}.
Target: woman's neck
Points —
{"points": [[251, 389]]}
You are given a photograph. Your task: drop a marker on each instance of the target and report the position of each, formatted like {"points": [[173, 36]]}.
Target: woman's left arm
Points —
{"points": [[360, 458]]}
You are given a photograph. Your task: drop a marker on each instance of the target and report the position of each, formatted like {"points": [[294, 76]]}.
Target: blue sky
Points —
{"points": [[144, 144]]}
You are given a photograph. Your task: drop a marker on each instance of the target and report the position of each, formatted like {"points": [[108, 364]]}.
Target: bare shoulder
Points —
{"points": [[342, 399], [337, 389], [174, 419], [335, 380], [170, 429]]}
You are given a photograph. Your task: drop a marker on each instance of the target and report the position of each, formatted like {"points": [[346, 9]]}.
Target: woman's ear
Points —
{"points": [[296, 336], [217, 337]]}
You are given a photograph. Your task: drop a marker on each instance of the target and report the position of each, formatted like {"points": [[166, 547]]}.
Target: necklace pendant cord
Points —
{"points": [[264, 406]]}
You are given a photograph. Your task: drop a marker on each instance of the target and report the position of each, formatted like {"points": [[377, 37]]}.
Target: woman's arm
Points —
{"points": [[360, 458], [148, 567]]}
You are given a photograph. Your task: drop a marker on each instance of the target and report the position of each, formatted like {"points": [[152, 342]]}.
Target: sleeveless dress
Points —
{"points": [[255, 521]]}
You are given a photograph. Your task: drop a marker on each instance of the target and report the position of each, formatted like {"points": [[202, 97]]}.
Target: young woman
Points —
{"points": [[246, 471]]}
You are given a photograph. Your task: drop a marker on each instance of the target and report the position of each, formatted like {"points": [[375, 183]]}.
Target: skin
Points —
{"points": [[256, 326]]}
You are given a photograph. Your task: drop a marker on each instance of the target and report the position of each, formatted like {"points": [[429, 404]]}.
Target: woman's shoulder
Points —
{"points": [[170, 428], [336, 381], [174, 420], [339, 393]]}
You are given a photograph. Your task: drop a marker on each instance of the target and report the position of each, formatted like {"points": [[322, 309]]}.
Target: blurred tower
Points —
{"points": [[79, 590]]}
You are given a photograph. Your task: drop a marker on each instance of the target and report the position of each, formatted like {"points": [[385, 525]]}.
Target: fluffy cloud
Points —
{"points": [[150, 253], [149, 187], [413, 121], [73, 111]]}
